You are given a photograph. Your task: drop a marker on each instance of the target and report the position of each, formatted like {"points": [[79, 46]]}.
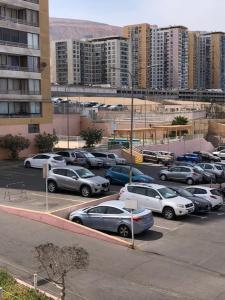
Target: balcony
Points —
{"points": [[20, 69], [17, 44], [20, 115], [19, 21], [20, 92]]}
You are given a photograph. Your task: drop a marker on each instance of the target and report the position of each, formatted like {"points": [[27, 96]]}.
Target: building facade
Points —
{"points": [[25, 92], [103, 61], [207, 60], [139, 37]]}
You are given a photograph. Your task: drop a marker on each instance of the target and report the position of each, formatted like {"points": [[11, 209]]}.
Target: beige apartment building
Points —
{"points": [[206, 60], [25, 92], [139, 36]]}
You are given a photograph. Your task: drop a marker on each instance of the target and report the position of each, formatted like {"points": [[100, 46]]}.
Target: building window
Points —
{"points": [[33, 128]]}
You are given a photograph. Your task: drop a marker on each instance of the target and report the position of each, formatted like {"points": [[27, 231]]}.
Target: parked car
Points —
{"points": [[118, 160], [115, 217], [207, 156], [39, 160], [220, 147], [185, 174], [182, 163], [220, 154], [121, 175], [157, 198], [107, 161], [91, 160], [206, 176], [75, 178], [156, 157], [73, 158], [215, 169], [214, 196], [201, 205], [193, 158]]}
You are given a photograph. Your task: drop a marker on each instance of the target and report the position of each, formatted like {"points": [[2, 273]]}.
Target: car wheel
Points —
{"points": [[28, 165], [124, 231], [190, 181], [52, 186], [77, 220], [163, 177], [85, 191], [216, 207], [168, 213]]}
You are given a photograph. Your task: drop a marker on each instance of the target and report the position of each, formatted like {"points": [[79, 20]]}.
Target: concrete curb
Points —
{"points": [[60, 223], [32, 288]]}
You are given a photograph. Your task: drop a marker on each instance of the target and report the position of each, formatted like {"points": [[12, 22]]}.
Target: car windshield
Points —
{"points": [[135, 211], [89, 155], [184, 193], [218, 167], [84, 173], [167, 193], [198, 169], [136, 172]]}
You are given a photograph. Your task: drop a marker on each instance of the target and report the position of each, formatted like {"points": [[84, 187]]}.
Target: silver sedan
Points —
{"points": [[115, 217]]}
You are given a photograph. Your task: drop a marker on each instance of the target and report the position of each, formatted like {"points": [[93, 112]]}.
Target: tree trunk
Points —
{"points": [[63, 291]]}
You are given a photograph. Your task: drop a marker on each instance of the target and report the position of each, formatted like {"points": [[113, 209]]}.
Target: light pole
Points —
{"points": [[67, 113], [131, 118]]}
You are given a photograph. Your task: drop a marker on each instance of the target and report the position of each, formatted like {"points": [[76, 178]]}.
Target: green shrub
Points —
{"points": [[14, 143], [12, 290], [45, 142], [92, 136]]}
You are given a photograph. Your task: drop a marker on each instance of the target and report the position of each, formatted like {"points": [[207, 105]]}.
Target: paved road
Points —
{"points": [[186, 263]]}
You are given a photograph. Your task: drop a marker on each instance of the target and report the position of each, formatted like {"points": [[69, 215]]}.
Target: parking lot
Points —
{"points": [[184, 252], [31, 195]]}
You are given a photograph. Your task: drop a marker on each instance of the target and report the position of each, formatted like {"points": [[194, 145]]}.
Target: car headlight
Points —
{"points": [[196, 202], [181, 205]]}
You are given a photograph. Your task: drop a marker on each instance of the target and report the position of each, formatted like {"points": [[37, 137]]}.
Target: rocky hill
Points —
{"points": [[79, 29]]}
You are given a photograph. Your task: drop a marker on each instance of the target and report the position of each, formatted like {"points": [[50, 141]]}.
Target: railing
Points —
{"points": [[19, 68], [16, 44], [19, 21], [19, 92], [20, 115]]}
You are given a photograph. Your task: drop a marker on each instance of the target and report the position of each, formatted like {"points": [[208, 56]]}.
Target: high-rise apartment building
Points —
{"points": [[206, 60], [95, 62], [169, 57], [139, 36], [25, 94]]}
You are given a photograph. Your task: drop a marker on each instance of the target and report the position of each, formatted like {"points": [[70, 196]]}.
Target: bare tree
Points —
{"points": [[58, 262]]}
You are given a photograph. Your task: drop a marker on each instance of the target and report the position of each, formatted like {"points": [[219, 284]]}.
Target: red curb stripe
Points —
{"points": [[62, 224]]}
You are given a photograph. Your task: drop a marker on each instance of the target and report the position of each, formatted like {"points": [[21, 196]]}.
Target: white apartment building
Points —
{"points": [[94, 62], [169, 57]]}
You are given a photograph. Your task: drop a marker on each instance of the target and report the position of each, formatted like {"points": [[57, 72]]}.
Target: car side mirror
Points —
{"points": [[75, 177], [158, 197]]}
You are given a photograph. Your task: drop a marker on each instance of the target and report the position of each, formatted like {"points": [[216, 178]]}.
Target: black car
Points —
{"points": [[207, 156], [182, 164], [201, 205]]}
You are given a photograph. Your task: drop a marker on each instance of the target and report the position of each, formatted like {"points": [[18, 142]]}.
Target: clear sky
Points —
{"points": [[195, 14]]}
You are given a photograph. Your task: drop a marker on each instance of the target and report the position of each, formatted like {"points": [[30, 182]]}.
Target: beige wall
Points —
{"points": [[60, 124]]}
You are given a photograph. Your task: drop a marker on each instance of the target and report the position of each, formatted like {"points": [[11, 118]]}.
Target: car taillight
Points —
{"points": [[214, 197], [195, 174], [136, 219]]}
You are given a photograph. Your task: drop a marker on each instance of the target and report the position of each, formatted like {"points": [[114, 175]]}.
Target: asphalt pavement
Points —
{"points": [[185, 263]]}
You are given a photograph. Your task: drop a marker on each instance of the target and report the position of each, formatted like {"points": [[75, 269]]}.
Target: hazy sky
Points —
{"points": [[195, 14]]}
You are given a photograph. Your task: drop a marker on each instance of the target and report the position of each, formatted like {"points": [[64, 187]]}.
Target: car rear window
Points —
{"points": [[58, 158], [135, 211], [216, 192]]}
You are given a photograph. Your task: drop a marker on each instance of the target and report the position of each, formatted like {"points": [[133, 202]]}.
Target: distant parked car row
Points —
{"points": [[100, 106], [74, 157]]}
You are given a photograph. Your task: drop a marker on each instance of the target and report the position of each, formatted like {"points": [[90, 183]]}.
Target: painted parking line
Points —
{"points": [[59, 198], [199, 217], [166, 228]]}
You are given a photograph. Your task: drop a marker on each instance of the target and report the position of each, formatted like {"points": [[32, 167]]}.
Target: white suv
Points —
{"points": [[157, 198]]}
